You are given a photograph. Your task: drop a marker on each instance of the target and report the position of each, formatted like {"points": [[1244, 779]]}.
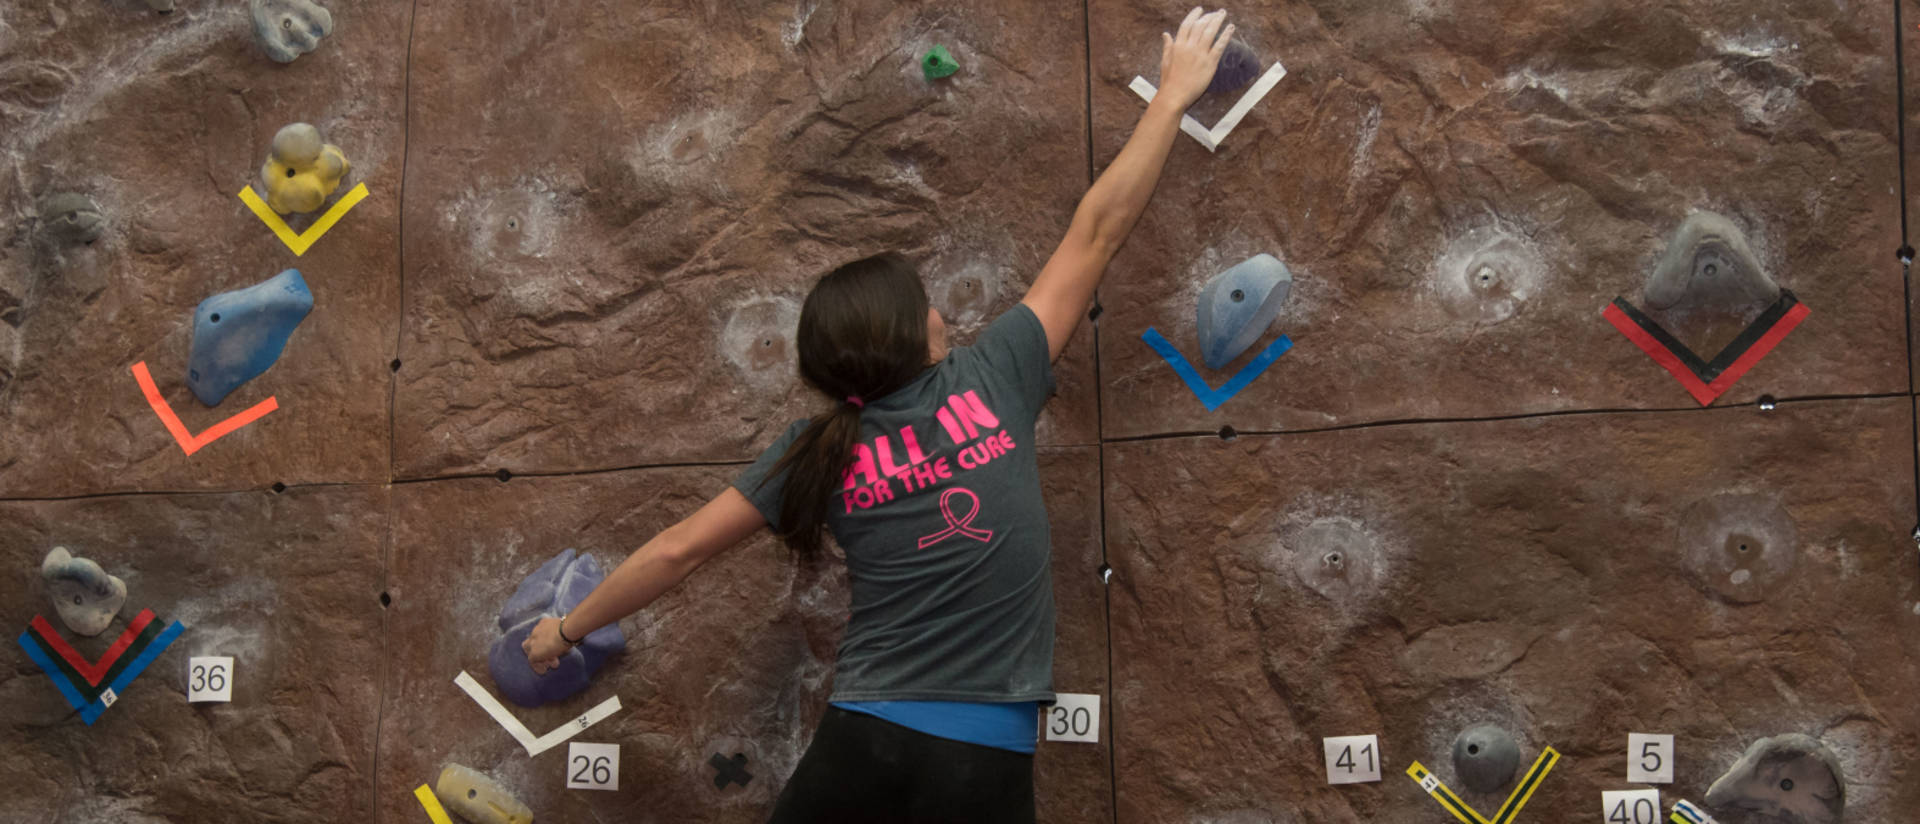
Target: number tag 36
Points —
{"points": [[1352, 759], [593, 766], [209, 678], [1073, 717]]}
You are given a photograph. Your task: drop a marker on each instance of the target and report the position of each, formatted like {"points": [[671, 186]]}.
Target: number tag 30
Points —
{"points": [[1352, 759], [593, 766], [209, 678], [1073, 717]]}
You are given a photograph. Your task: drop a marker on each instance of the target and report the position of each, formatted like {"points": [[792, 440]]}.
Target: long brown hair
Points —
{"points": [[863, 334]]}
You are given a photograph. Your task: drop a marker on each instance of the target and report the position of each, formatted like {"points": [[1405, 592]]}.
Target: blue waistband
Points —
{"points": [[1007, 726]]}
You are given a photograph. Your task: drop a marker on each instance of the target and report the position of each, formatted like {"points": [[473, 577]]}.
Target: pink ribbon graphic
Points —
{"points": [[957, 525]]}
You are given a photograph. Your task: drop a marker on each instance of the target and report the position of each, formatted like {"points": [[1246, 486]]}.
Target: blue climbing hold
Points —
{"points": [[237, 335], [1238, 305], [554, 589]]}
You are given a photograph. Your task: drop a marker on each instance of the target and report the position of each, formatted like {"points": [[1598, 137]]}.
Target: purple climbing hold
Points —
{"points": [[238, 335], [1238, 67], [553, 590]]}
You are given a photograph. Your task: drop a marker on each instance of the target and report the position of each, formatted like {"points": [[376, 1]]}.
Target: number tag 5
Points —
{"points": [[1352, 759], [593, 766], [1649, 758]]}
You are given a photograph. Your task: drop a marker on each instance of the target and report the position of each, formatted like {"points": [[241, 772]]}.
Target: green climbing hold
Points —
{"points": [[938, 63]]}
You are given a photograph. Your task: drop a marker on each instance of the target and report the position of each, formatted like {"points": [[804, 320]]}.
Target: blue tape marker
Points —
{"points": [[39, 656], [1210, 397], [134, 669], [90, 711]]}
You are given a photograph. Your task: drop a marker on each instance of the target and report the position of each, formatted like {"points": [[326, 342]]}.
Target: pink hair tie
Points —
{"points": [[855, 400]]}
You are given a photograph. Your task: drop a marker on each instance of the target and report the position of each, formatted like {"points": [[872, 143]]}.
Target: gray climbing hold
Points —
{"points": [[1791, 778], [286, 29], [1485, 758], [1709, 264], [238, 335], [71, 218], [1238, 305], [86, 597]]}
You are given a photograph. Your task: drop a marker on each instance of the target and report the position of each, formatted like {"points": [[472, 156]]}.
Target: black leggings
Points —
{"points": [[865, 770]]}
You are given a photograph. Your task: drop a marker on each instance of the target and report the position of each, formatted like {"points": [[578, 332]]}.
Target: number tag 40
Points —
{"points": [[593, 766], [209, 678], [1630, 806], [1073, 717], [1352, 759]]}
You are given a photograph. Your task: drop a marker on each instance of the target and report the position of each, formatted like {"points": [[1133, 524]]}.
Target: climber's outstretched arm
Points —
{"points": [[650, 571]]}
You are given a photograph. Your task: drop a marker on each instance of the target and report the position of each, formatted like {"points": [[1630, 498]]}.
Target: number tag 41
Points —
{"points": [[1630, 806], [209, 678], [1353, 759], [1073, 717], [593, 766]]}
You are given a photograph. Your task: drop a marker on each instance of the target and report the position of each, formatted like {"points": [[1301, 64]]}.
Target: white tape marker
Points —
{"points": [[519, 731], [1211, 138]]}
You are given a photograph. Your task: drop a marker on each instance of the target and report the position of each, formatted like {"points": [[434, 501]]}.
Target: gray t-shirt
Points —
{"points": [[944, 529]]}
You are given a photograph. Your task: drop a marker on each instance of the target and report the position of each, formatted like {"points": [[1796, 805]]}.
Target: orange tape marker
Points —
{"points": [[189, 442]]}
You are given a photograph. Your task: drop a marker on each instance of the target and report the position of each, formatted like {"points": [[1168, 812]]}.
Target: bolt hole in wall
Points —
{"points": [[385, 600], [279, 487], [394, 366], [503, 475], [1227, 433]]}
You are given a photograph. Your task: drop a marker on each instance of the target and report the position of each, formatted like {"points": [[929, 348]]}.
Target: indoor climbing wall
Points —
{"points": [[1572, 399]]}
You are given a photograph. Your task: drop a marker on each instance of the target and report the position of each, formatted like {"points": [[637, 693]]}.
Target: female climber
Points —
{"points": [[924, 472]]}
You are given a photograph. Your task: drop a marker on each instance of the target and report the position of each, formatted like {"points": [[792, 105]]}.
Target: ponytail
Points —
{"points": [[815, 465], [863, 334]]}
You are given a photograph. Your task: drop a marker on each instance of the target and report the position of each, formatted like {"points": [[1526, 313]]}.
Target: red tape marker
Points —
{"points": [[93, 672]]}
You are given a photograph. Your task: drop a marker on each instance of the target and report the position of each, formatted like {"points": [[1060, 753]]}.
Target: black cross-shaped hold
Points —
{"points": [[730, 769]]}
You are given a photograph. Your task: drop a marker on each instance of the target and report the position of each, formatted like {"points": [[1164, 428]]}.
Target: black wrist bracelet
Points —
{"points": [[561, 630]]}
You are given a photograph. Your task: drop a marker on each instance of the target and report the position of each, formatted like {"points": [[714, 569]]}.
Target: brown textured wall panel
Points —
{"points": [[1720, 575], [1558, 144], [162, 120], [288, 585]]}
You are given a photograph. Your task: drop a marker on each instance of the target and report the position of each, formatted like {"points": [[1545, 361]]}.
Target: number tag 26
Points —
{"points": [[593, 766]]}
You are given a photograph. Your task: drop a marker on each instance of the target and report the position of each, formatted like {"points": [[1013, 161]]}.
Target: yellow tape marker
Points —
{"points": [[432, 803], [299, 243], [1522, 792], [1431, 783]]}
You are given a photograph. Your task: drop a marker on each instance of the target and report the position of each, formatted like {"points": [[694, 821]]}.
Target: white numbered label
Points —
{"points": [[1352, 759], [209, 678], [593, 766], [1073, 717], [1649, 758], [107, 697], [1630, 806], [1430, 783]]}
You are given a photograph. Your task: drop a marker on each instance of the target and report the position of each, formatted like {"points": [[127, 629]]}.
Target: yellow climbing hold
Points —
{"points": [[301, 170]]}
